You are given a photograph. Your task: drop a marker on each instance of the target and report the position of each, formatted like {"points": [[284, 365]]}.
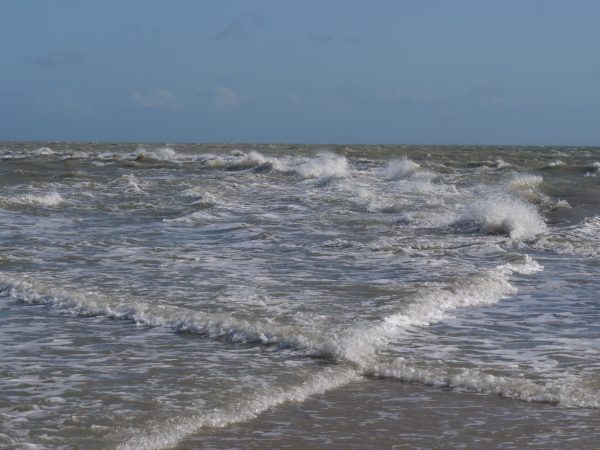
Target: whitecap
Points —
{"points": [[555, 163], [324, 166], [399, 169], [160, 154], [505, 214], [595, 170], [48, 199], [501, 164], [44, 151]]}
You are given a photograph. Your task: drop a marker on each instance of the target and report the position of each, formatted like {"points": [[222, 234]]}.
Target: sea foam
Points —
{"points": [[168, 434], [214, 325], [324, 166], [487, 287], [48, 199], [505, 214], [567, 392]]}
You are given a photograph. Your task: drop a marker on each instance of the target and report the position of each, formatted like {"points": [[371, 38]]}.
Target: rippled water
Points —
{"points": [[210, 296]]}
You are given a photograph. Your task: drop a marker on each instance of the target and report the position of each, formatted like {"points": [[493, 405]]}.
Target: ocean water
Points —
{"points": [[238, 296]]}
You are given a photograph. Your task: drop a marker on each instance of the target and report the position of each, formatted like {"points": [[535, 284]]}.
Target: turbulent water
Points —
{"points": [[278, 296]]}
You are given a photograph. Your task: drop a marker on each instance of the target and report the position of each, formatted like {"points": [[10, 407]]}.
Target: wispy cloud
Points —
{"points": [[62, 58], [59, 101], [594, 74], [240, 28], [320, 39], [354, 40], [491, 93], [156, 99], [226, 98], [405, 99]]}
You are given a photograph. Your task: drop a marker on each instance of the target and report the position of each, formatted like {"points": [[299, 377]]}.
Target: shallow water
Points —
{"points": [[292, 296]]}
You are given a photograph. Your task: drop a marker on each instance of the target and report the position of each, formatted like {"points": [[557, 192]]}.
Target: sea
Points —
{"points": [[193, 296]]}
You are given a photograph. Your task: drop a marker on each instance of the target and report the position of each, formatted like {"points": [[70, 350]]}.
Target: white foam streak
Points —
{"points": [[567, 392], [486, 288], [133, 184], [580, 240], [167, 435], [49, 199], [214, 325]]}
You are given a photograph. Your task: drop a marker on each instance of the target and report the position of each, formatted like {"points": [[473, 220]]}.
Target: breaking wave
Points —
{"points": [[324, 166], [161, 154], [594, 170], [505, 214], [46, 200], [405, 169], [44, 151]]}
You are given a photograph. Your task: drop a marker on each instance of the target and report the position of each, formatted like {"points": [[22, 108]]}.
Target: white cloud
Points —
{"points": [[157, 99], [226, 98]]}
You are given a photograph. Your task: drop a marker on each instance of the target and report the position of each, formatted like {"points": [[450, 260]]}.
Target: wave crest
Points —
{"points": [[505, 214], [324, 166]]}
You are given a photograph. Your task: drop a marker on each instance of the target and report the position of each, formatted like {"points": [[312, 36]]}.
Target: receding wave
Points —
{"points": [[168, 434], [356, 345], [567, 392], [487, 287]]}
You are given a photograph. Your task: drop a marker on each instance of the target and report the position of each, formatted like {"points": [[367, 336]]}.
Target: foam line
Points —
{"points": [[170, 433], [564, 392]]}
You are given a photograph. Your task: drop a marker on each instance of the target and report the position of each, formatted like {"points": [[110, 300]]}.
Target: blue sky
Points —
{"points": [[420, 71]]}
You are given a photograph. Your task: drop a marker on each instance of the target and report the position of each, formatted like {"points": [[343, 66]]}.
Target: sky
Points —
{"points": [[329, 71]]}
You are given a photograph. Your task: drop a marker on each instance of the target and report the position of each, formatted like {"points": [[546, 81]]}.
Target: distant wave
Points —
{"points": [[43, 199]]}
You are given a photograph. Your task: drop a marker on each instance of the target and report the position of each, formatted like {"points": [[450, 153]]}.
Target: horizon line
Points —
{"points": [[289, 143]]}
